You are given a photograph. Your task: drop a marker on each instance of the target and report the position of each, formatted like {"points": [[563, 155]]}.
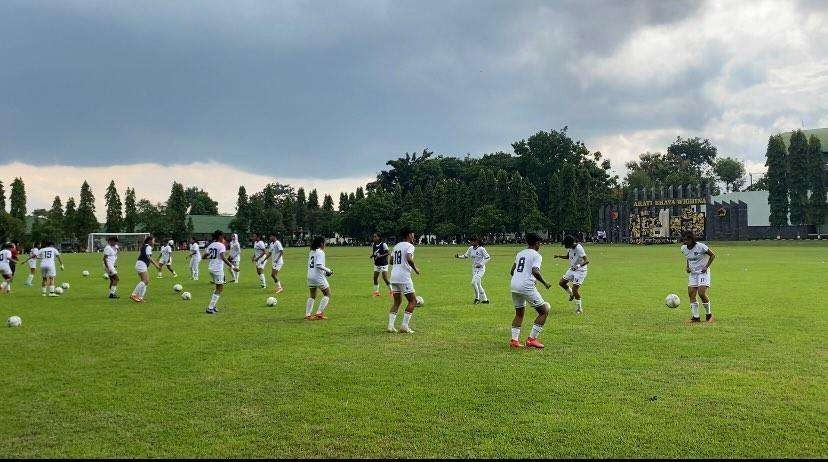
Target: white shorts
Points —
{"points": [[194, 262], [48, 271], [575, 277], [111, 271], [278, 265], [5, 270], [218, 278], [380, 268], [140, 266], [260, 264], [165, 261], [404, 288], [321, 283], [32, 264], [533, 297], [478, 273], [699, 279], [236, 260]]}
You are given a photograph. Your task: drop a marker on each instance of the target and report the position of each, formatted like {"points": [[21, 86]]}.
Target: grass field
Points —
{"points": [[88, 376]]}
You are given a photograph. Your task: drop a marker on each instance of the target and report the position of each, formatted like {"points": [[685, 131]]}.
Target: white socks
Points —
{"points": [[536, 330], [113, 289], [483, 297], [309, 307], [476, 291], [392, 318], [322, 305], [406, 319], [139, 289], [580, 304], [29, 280], [235, 275], [262, 280], [707, 308], [213, 300], [516, 333], [51, 289], [376, 287], [694, 309]]}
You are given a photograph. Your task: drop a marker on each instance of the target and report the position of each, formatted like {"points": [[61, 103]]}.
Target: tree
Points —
{"points": [[692, 154], [487, 220], [301, 209], [817, 204], [11, 227], [798, 177], [70, 219], [313, 200], [176, 212], [731, 172], [17, 200], [759, 185], [2, 198], [85, 221], [53, 228], [241, 223], [200, 203], [777, 179], [114, 221], [130, 211], [328, 204]]}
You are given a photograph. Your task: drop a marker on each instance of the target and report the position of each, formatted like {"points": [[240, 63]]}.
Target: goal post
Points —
{"points": [[128, 241]]}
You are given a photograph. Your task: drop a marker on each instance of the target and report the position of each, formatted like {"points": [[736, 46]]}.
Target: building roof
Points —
{"points": [[206, 224], [821, 133]]}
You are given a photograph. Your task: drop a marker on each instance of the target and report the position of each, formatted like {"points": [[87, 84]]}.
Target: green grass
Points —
{"points": [[90, 377]]}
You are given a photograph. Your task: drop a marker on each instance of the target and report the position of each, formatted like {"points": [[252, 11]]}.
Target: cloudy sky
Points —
{"points": [[321, 93]]}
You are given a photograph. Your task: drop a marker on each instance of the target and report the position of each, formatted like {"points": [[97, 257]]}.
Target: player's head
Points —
{"points": [[8, 245], [318, 243], [170, 243], [533, 241], [272, 237], [406, 234], [376, 238], [112, 240], [688, 237], [569, 241], [218, 235], [235, 237], [474, 240], [149, 240], [48, 243], [255, 237]]}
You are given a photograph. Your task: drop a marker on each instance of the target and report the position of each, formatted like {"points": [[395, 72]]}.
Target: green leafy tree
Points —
{"points": [[200, 203], [176, 212], [70, 220], [798, 177], [2, 198], [817, 203], [301, 209], [777, 179], [692, 154], [241, 223], [85, 221], [488, 220], [17, 200], [328, 203], [731, 172], [114, 219], [54, 224], [11, 227], [130, 211]]}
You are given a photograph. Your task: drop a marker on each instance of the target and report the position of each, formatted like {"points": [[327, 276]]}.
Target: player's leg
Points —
{"points": [[31, 276], [140, 288], [274, 274], [113, 285], [517, 322], [161, 270], [537, 327], [694, 305], [576, 293], [326, 298], [483, 297], [309, 304], [170, 268], [44, 280], [474, 288], [409, 312], [395, 307], [260, 273], [376, 283], [218, 279], [708, 310], [51, 282], [564, 283]]}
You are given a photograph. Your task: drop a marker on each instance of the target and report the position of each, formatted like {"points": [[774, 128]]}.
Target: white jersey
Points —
{"points": [[276, 248], [47, 257], [316, 265], [523, 279], [33, 253], [478, 256], [575, 255], [195, 248], [401, 271], [235, 249], [111, 254], [5, 258], [259, 249], [166, 251], [214, 252], [697, 257]]}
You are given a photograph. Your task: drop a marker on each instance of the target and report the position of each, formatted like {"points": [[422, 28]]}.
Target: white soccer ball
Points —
{"points": [[65, 286], [271, 301], [14, 321], [186, 296], [178, 288], [420, 301], [59, 290], [672, 301], [85, 273]]}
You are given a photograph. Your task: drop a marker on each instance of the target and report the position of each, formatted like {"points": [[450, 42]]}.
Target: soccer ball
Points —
{"points": [[271, 301], [59, 290], [65, 286], [105, 276], [14, 321], [178, 288], [420, 301], [186, 296], [672, 301], [85, 273]]}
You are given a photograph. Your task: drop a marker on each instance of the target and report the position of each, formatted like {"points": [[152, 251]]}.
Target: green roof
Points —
{"points": [[821, 133], [206, 224]]}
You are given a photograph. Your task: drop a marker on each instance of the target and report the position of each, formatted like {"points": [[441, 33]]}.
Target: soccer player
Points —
{"points": [[142, 268], [699, 258], [479, 258], [318, 275], [32, 263], [235, 257], [195, 259], [5, 267], [379, 254], [402, 261], [47, 256], [525, 272], [215, 253], [576, 273], [15, 251], [110, 257], [259, 249], [166, 259], [275, 252]]}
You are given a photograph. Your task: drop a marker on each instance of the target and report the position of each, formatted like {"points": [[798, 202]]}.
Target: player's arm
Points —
{"points": [[227, 261], [410, 259], [539, 277], [324, 268], [154, 263], [60, 260], [512, 271], [710, 260], [486, 257], [465, 255]]}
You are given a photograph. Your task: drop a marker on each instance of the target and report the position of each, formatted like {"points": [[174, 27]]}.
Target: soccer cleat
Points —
{"points": [[175, 275], [309, 317], [515, 344], [391, 330], [211, 311], [375, 293], [159, 277], [571, 296], [579, 310], [113, 296], [52, 294], [320, 317], [279, 290], [708, 317], [406, 330], [475, 302], [533, 343], [695, 319], [135, 298], [485, 302]]}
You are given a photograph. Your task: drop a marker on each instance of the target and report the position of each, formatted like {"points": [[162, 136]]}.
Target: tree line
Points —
{"points": [[796, 180]]}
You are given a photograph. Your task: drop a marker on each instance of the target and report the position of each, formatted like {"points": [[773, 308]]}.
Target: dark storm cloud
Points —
{"points": [[323, 89]]}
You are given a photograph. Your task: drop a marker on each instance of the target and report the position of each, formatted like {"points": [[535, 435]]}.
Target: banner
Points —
{"points": [[669, 202]]}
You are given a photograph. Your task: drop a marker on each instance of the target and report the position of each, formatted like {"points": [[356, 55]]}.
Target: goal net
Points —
{"points": [[126, 241]]}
